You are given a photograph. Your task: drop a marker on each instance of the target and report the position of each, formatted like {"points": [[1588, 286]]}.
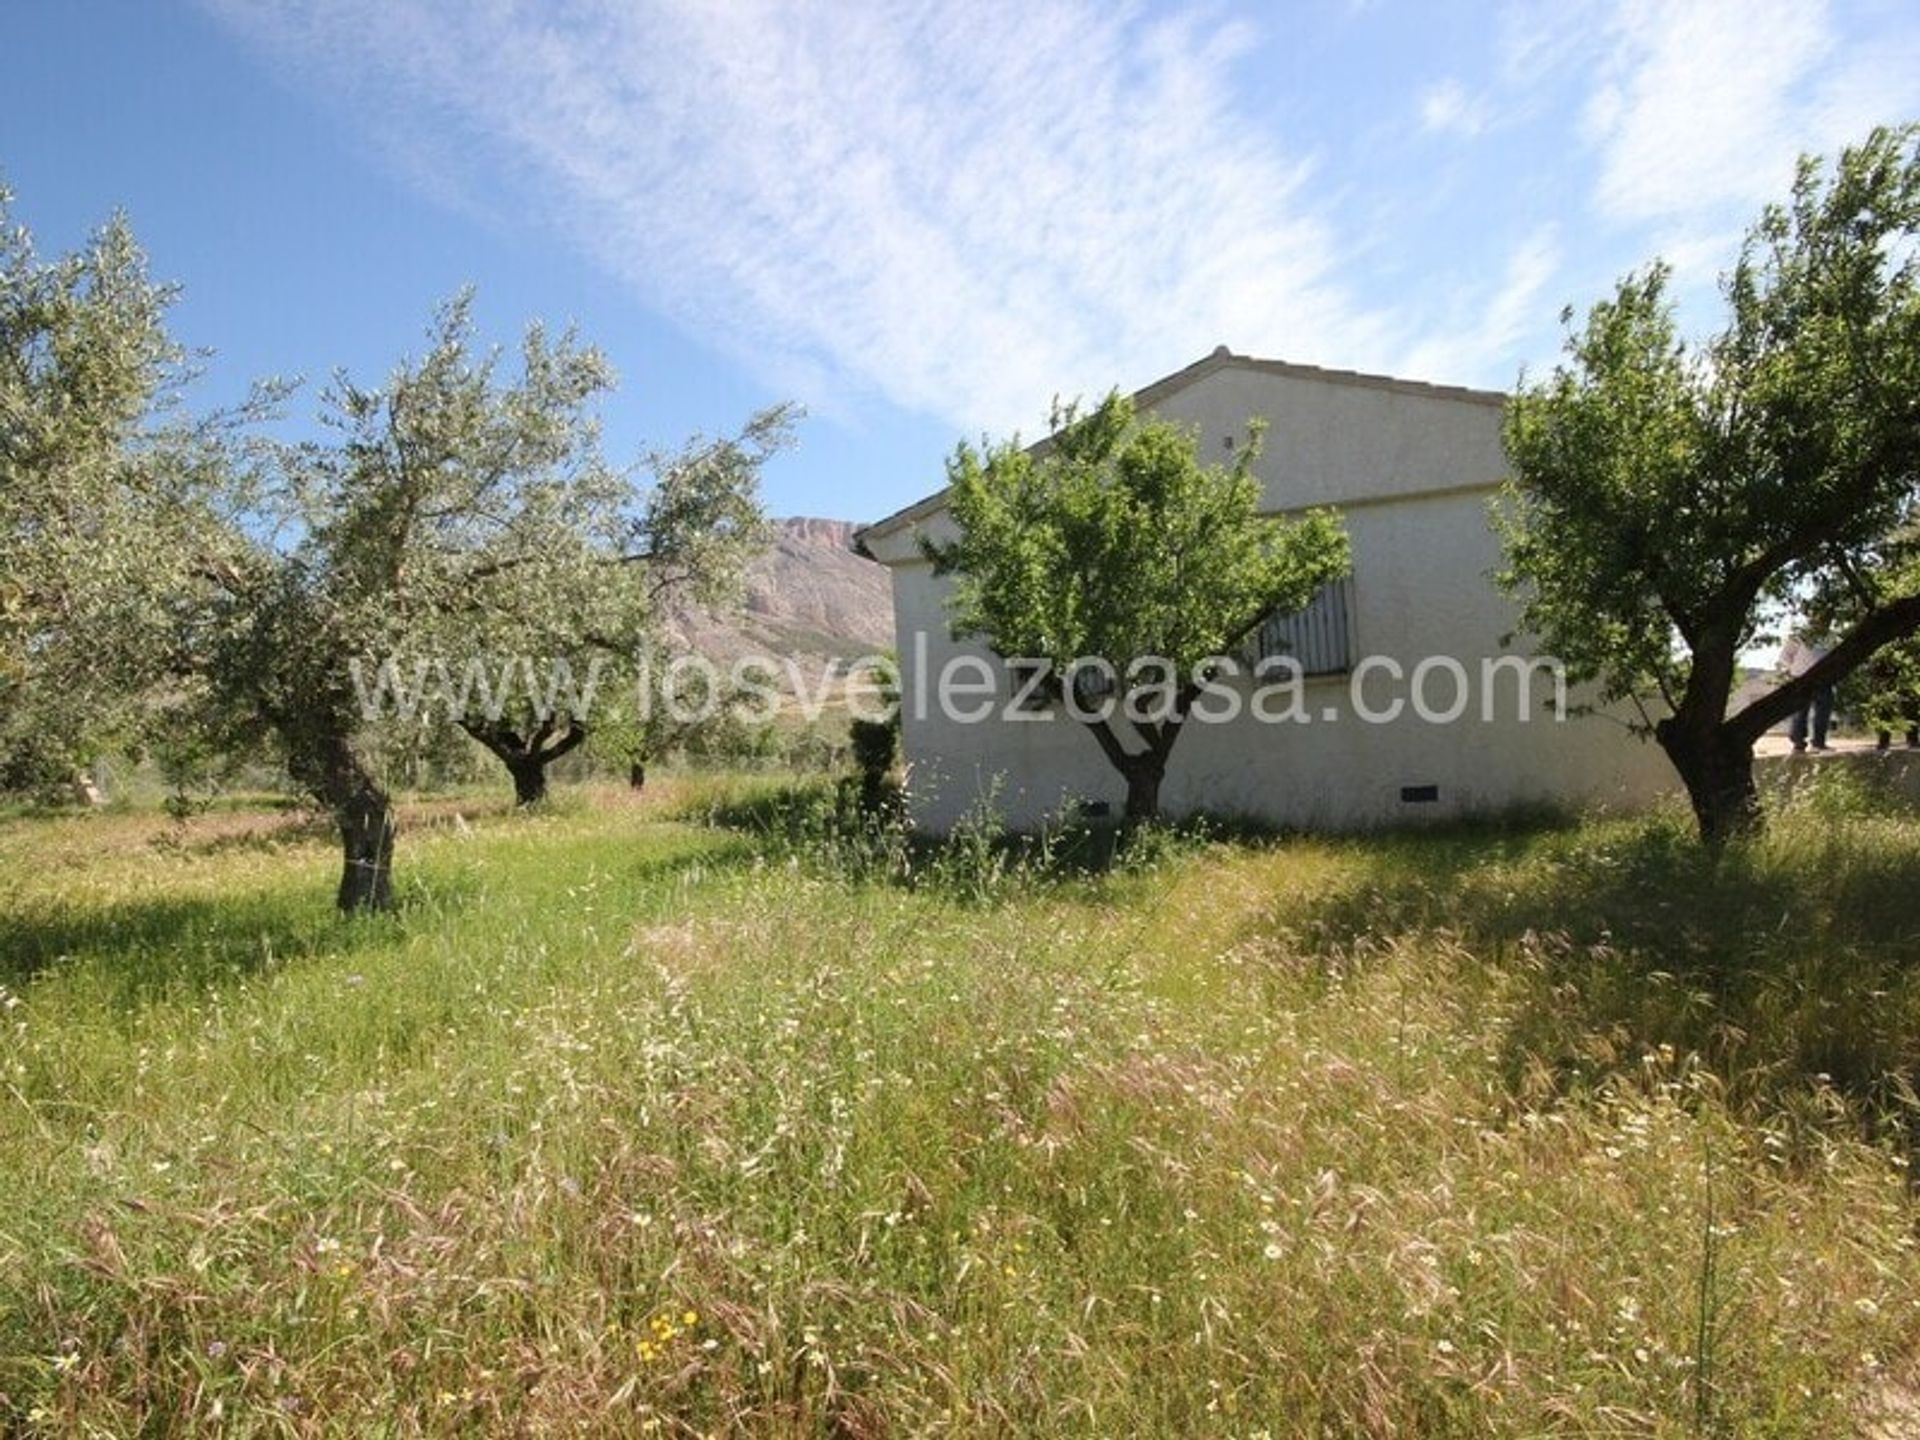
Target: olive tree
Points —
{"points": [[459, 512], [527, 745], [1111, 544], [689, 540], [110, 502], [1669, 503]]}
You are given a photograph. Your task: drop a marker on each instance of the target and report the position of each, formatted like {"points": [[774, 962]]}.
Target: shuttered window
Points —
{"points": [[1320, 637]]}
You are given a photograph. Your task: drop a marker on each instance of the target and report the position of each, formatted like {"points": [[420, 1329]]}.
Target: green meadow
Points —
{"points": [[694, 1116]]}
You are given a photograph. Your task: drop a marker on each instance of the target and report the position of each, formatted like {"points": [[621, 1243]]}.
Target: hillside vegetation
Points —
{"points": [[629, 1123]]}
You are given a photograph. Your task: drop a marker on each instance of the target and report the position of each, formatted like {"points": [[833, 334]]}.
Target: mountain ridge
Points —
{"points": [[806, 597]]}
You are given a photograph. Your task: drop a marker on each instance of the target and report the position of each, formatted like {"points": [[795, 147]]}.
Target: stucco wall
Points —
{"points": [[1413, 475]]}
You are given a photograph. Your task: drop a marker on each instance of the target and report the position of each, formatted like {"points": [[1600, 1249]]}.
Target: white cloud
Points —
{"points": [[1449, 108], [1533, 42], [961, 208], [1486, 342], [1704, 105], [1693, 112]]}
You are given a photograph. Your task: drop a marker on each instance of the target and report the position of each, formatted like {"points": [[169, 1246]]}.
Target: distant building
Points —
{"points": [[1412, 468]]}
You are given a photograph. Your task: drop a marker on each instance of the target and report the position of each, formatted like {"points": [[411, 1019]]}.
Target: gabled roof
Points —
{"points": [[1221, 359]]}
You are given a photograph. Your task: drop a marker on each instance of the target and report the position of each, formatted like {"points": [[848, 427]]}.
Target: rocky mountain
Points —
{"points": [[808, 597]]}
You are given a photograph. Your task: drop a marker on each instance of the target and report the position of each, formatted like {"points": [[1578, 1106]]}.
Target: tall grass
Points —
{"points": [[633, 1123]]}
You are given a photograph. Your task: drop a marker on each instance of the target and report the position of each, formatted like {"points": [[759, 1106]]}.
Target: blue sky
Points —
{"points": [[925, 218]]}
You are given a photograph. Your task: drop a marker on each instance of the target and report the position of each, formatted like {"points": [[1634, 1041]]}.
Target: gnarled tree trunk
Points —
{"points": [[366, 834], [527, 756], [1713, 750], [362, 810], [529, 774]]}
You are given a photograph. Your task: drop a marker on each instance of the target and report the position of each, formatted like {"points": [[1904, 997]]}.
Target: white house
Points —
{"points": [[1411, 706]]}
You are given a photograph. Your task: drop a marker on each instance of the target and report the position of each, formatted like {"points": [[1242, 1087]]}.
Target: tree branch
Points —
{"points": [[1894, 621], [496, 737], [570, 739], [1117, 754]]}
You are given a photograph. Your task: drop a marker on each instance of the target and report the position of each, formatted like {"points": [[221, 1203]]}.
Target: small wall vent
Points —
{"points": [[1419, 794]]}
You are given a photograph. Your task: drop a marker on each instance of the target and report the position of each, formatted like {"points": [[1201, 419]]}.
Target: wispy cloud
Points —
{"points": [[1704, 102], [1702, 108], [959, 208], [1692, 113], [1486, 341], [1449, 108]]}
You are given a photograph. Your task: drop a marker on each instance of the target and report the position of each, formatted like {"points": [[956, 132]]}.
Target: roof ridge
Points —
{"points": [[1369, 378], [1219, 358]]}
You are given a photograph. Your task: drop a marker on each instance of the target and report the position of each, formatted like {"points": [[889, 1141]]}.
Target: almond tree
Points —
{"points": [[1885, 692], [1668, 503], [1112, 543]]}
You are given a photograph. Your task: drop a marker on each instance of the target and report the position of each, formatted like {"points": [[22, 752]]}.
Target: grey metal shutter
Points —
{"points": [[1320, 637]]}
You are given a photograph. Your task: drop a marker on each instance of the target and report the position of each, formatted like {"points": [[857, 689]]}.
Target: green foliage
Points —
{"points": [[37, 766], [108, 499], [731, 739], [1885, 692], [1663, 495], [837, 829], [194, 769], [687, 540], [86, 361], [1607, 456], [1113, 542], [822, 824], [691, 710], [460, 502], [876, 745], [1667, 504], [462, 513]]}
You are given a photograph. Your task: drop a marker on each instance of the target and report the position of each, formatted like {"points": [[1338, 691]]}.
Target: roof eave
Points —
{"points": [[1221, 358]]}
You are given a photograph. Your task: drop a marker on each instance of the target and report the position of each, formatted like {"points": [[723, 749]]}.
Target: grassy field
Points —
{"points": [[632, 1123]]}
